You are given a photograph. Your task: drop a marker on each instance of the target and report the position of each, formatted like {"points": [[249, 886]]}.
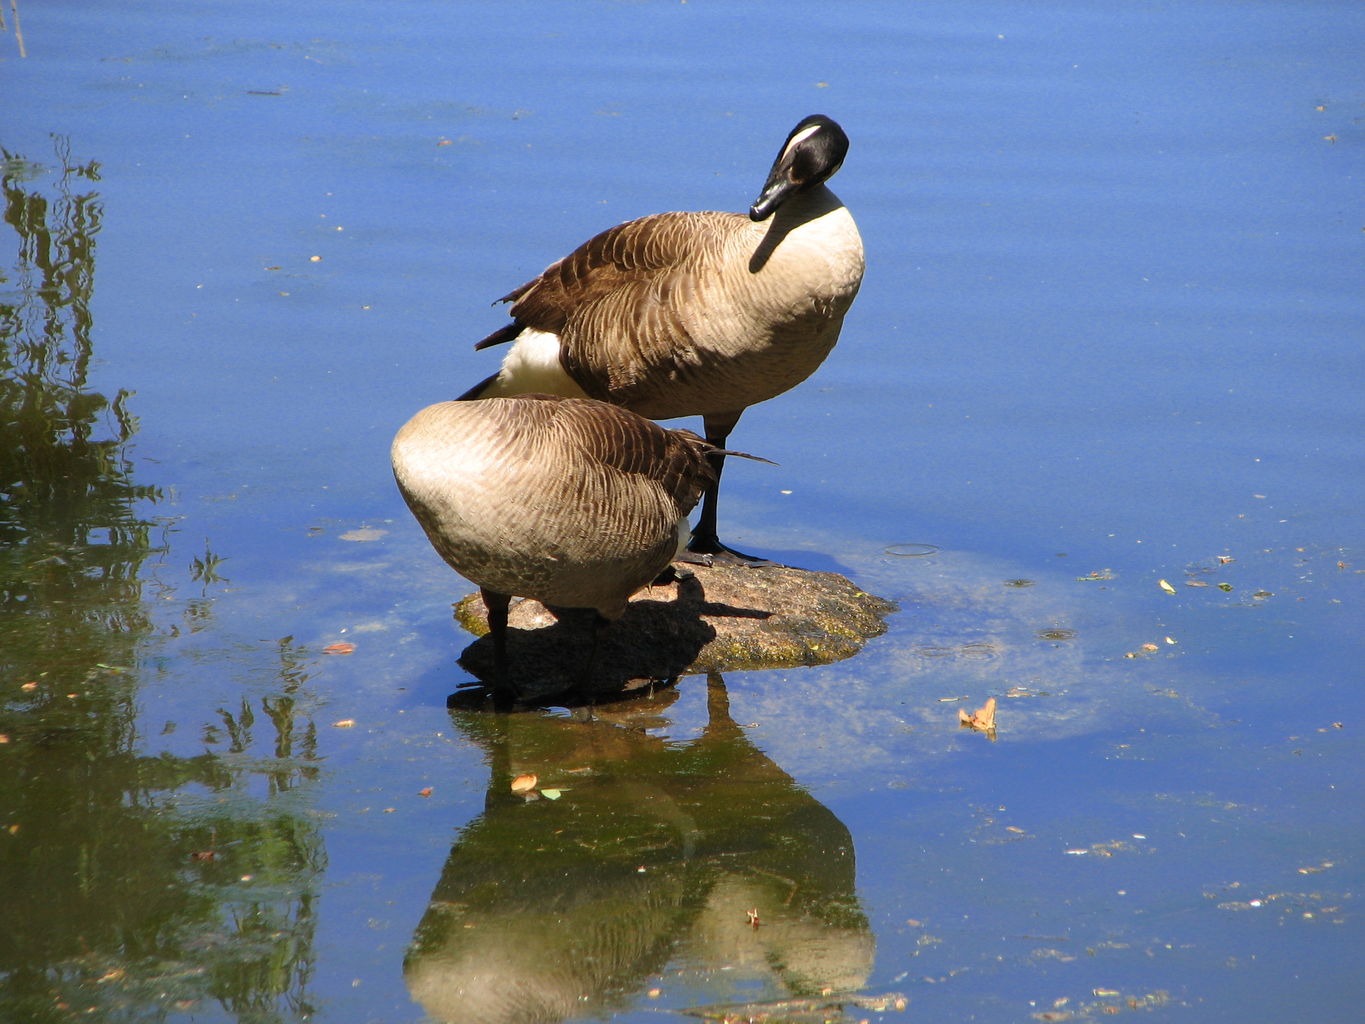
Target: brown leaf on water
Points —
{"points": [[524, 783], [982, 719], [341, 648], [345, 723], [425, 791]]}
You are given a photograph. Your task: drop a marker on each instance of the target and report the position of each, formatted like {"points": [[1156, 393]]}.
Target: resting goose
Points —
{"points": [[683, 314], [570, 501]]}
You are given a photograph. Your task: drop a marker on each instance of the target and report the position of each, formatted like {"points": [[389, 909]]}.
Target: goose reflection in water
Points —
{"points": [[653, 852]]}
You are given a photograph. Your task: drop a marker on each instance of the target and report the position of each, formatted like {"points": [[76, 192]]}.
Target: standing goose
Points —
{"points": [[683, 314], [573, 502]]}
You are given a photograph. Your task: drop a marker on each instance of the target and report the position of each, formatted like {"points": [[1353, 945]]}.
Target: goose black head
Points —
{"points": [[813, 151]]}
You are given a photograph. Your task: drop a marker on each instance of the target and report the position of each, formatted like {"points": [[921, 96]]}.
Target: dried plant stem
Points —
{"points": [[18, 30]]}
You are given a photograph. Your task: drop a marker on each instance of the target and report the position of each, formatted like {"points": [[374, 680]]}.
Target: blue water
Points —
{"points": [[1110, 334]]}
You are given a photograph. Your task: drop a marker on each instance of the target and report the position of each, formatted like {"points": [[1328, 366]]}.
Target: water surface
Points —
{"points": [[1110, 336]]}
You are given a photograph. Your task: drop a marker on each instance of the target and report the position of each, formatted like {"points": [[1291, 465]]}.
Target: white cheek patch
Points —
{"points": [[800, 137], [533, 366]]}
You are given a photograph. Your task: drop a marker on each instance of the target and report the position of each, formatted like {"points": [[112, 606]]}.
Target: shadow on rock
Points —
{"points": [[717, 619]]}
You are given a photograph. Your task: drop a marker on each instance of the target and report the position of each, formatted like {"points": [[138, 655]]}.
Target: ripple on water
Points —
{"points": [[911, 550]]}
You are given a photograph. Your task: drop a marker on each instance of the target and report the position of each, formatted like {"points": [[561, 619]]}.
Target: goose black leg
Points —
{"points": [[504, 690], [704, 547], [600, 625]]}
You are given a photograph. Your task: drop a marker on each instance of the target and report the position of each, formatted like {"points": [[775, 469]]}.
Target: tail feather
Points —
{"points": [[741, 455], [477, 391], [499, 337]]}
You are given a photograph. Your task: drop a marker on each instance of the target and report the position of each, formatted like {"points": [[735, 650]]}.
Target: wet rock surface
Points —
{"points": [[717, 619]]}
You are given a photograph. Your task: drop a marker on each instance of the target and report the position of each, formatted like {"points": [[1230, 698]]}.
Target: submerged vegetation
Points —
{"points": [[135, 886]]}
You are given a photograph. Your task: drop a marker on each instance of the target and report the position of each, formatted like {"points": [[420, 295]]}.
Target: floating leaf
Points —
{"points": [[982, 719], [524, 783], [341, 648], [1165, 586], [345, 723], [551, 794]]}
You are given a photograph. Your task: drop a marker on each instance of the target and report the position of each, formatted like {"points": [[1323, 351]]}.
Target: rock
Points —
{"points": [[718, 619]]}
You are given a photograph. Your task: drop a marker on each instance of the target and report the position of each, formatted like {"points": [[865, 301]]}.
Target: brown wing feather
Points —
{"points": [[634, 251], [637, 274], [673, 460]]}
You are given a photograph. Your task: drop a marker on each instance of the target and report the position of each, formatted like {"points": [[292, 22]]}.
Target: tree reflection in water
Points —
{"points": [[653, 852], [136, 884]]}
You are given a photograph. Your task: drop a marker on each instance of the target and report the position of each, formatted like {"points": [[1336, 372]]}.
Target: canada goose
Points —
{"points": [[682, 314], [571, 501]]}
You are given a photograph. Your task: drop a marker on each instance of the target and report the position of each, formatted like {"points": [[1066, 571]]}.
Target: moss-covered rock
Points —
{"points": [[718, 619]]}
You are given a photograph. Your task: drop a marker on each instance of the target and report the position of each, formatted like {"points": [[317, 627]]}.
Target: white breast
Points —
{"points": [[533, 366]]}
